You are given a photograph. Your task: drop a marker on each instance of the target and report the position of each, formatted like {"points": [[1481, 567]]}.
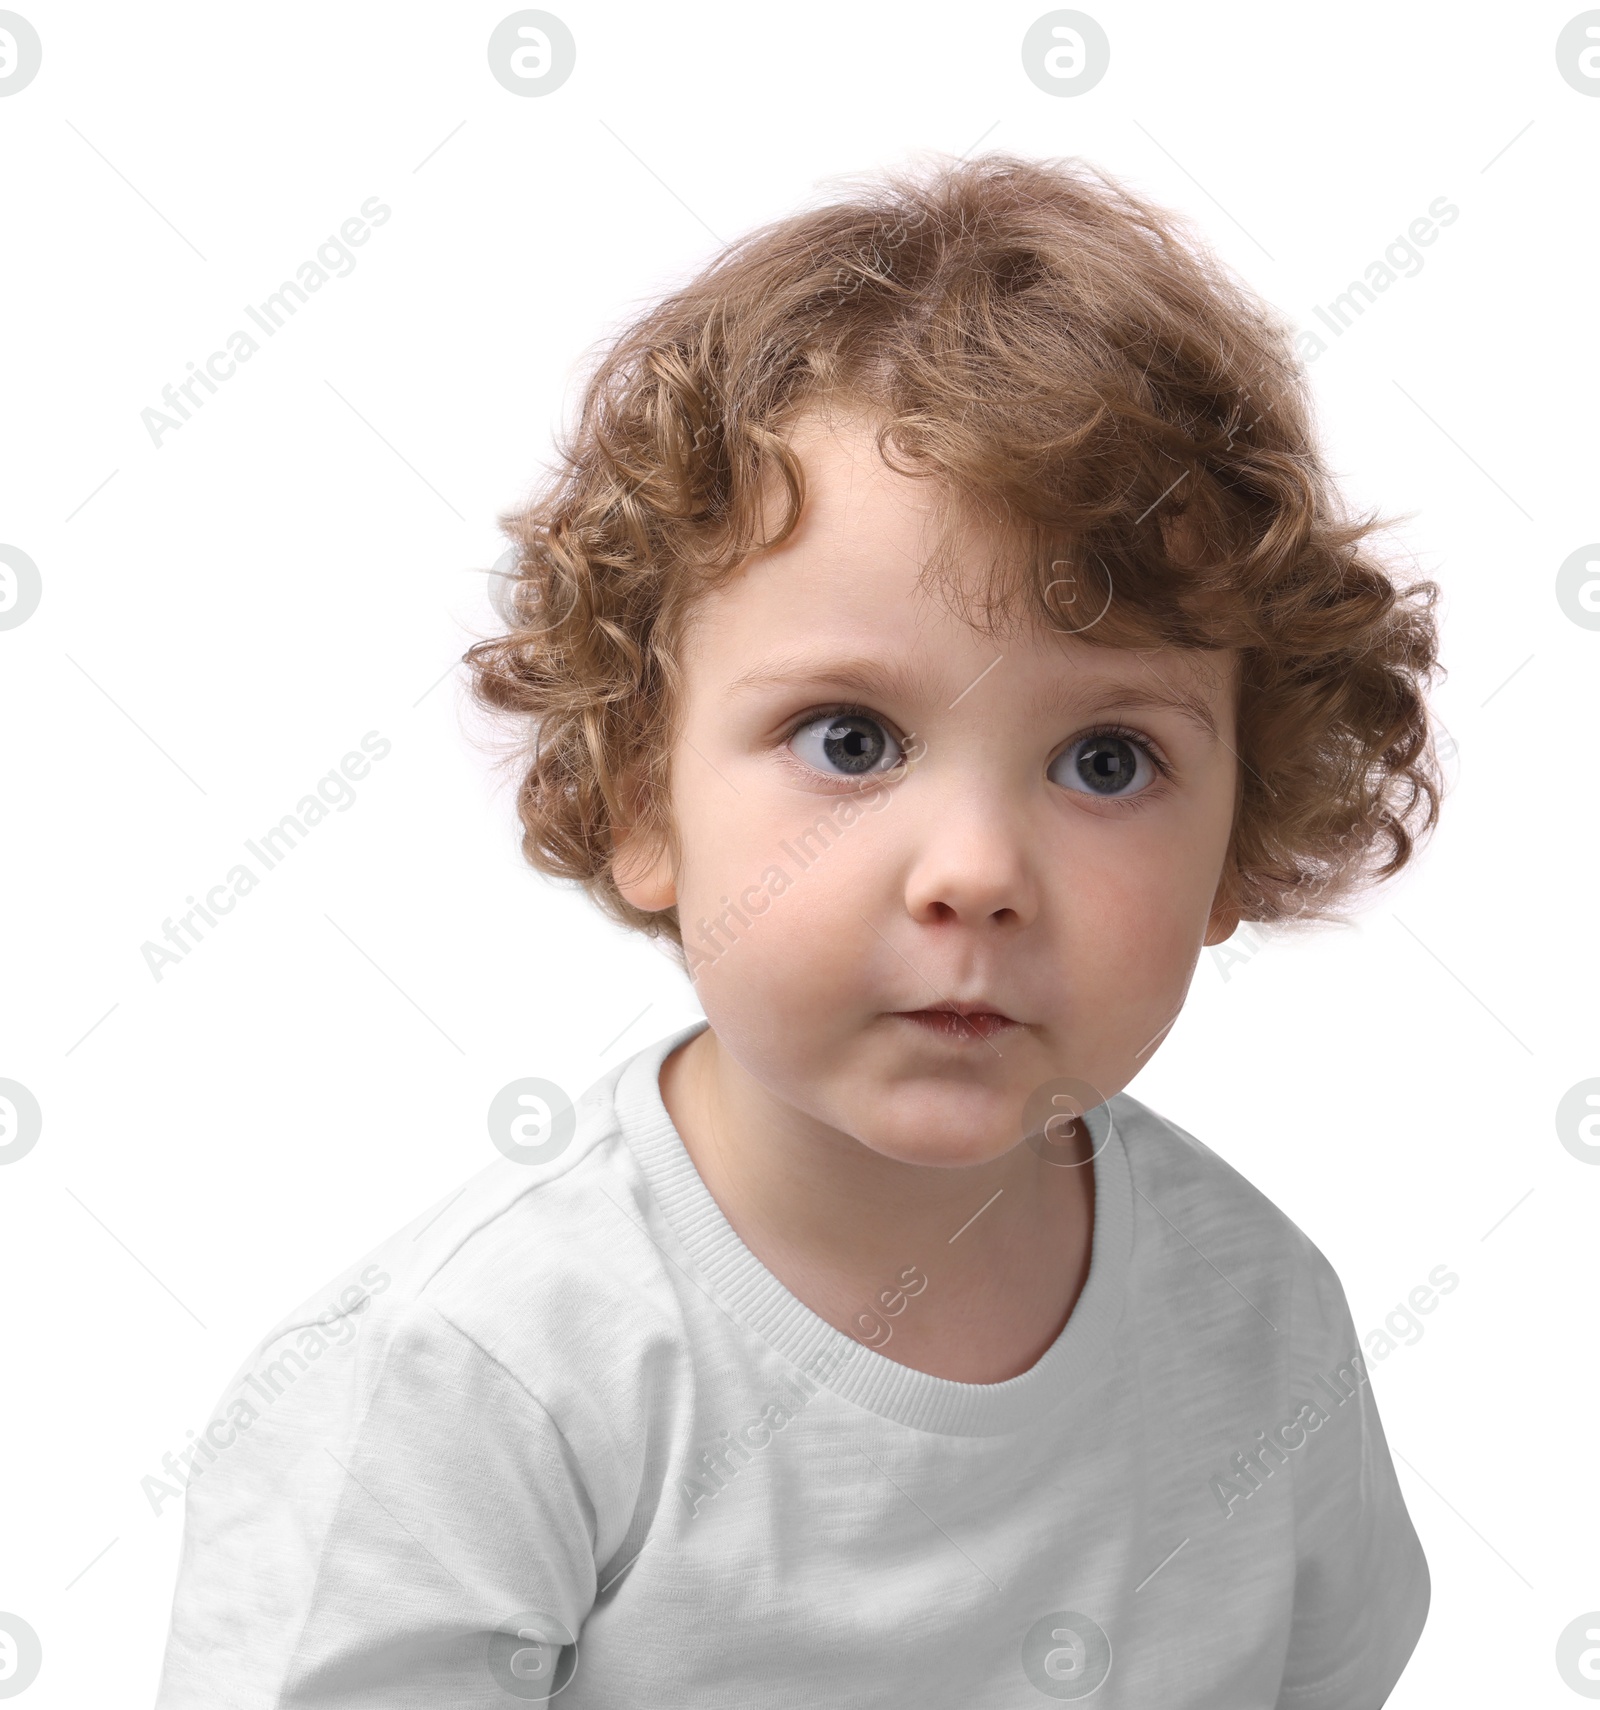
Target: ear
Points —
{"points": [[642, 871], [641, 862], [1183, 538], [1225, 915]]}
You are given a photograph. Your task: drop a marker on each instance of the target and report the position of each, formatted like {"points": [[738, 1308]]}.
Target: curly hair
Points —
{"points": [[1066, 362]]}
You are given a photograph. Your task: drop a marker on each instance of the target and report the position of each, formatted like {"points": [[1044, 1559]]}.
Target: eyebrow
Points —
{"points": [[883, 679], [867, 677], [1167, 698]]}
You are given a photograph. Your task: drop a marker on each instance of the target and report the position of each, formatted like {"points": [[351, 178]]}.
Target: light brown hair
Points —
{"points": [[1064, 361]]}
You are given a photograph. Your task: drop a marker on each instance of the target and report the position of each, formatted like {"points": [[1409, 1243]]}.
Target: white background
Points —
{"points": [[225, 616]]}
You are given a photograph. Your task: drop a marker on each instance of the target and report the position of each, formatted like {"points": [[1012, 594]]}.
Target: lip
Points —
{"points": [[961, 1023]]}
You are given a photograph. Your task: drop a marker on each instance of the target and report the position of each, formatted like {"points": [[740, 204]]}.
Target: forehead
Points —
{"points": [[883, 566], [855, 502]]}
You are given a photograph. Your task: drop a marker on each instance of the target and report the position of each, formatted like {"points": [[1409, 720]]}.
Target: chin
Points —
{"points": [[944, 1129], [938, 1146]]}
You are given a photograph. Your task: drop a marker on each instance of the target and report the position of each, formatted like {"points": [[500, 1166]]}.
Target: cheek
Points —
{"points": [[801, 882], [1164, 890], [1133, 920]]}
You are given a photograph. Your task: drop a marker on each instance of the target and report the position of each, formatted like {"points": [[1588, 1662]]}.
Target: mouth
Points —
{"points": [[961, 1023]]}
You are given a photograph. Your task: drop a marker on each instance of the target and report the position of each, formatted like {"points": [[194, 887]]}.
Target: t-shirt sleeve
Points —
{"points": [[414, 1533], [1361, 1587]]}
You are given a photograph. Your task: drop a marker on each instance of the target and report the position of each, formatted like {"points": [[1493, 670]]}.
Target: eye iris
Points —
{"points": [[853, 744], [1107, 763]]}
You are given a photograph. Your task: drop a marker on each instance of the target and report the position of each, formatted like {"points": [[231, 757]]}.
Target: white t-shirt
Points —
{"points": [[566, 1437]]}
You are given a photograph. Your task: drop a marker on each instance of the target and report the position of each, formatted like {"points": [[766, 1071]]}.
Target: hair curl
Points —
{"points": [[1066, 362]]}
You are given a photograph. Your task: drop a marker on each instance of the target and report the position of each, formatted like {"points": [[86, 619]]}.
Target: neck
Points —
{"points": [[840, 1224]]}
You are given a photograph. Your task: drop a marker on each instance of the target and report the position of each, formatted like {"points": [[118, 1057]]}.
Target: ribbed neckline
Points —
{"points": [[853, 1371]]}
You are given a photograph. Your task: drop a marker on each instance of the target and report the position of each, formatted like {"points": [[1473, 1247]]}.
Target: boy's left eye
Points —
{"points": [[1107, 763], [846, 744]]}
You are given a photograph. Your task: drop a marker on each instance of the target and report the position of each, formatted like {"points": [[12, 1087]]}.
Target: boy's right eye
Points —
{"points": [[849, 743]]}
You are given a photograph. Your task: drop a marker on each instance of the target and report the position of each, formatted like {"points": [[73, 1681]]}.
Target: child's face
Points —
{"points": [[989, 871]]}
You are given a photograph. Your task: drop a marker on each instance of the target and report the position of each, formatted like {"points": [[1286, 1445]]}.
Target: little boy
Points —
{"points": [[941, 627]]}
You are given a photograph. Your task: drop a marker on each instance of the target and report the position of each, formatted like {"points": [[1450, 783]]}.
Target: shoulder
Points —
{"points": [[538, 1281], [1193, 1206]]}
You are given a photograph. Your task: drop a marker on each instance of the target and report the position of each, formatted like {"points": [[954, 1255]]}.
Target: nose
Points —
{"points": [[971, 863]]}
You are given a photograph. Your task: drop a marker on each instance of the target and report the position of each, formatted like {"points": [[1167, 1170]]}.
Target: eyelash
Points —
{"points": [[1164, 770], [841, 709], [1157, 758], [847, 709]]}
